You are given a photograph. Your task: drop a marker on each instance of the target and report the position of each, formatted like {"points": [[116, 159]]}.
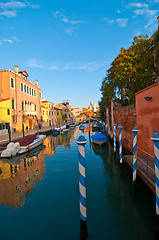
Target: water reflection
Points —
{"points": [[62, 140], [18, 175]]}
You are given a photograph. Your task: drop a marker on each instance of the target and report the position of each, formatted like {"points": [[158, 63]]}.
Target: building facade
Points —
{"points": [[66, 112], [20, 100], [49, 114], [147, 117]]}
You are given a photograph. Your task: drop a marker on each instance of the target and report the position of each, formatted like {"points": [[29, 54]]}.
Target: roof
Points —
{"points": [[155, 84], [4, 99], [57, 108], [24, 73], [9, 70]]}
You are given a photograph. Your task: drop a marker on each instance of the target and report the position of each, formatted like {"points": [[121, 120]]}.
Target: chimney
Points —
{"points": [[158, 21], [36, 82], [16, 69]]}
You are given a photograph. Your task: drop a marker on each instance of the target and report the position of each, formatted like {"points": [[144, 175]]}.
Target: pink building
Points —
{"points": [[147, 117], [24, 99]]}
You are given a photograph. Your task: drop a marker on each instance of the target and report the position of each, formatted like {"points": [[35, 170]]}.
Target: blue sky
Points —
{"points": [[68, 45]]}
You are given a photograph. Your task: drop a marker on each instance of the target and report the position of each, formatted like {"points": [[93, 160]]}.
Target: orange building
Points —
{"points": [[147, 117], [25, 105]]}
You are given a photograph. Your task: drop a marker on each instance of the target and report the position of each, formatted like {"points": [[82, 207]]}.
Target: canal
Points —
{"points": [[39, 194]]}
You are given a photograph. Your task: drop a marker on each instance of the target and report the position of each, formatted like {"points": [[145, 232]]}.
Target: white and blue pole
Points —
{"points": [[135, 131], [81, 141], [155, 139], [104, 128], [114, 137], [120, 142]]}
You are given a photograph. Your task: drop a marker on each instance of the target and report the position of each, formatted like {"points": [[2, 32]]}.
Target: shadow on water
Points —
{"points": [[134, 213]]}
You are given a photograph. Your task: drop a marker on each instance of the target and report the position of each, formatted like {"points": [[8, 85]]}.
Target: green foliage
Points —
{"points": [[132, 70]]}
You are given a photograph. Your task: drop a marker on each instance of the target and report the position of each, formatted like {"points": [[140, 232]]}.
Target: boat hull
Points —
{"points": [[35, 143], [99, 142]]}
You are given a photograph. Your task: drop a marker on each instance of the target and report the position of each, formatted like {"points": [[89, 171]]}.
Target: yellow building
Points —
{"points": [[5, 114], [59, 116], [49, 114]]}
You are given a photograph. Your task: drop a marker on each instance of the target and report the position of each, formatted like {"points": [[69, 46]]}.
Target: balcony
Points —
{"points": [[30, 112]]}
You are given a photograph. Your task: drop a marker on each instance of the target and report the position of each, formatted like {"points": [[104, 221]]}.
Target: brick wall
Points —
{"points": [[127, 117]]}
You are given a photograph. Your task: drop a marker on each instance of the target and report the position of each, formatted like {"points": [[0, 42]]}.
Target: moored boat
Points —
{"points": [[99, 138], [72, 125], [23, 145], [29, 142]]}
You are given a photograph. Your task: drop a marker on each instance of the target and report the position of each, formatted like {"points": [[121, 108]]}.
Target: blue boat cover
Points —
{"points": [[99, 137]]}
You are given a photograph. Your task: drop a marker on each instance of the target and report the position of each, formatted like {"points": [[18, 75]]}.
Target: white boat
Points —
{"points": [[99, 138], [29, 142], [63, 129]]}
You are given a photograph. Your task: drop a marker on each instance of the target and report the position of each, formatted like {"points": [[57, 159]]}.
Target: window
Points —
{"points": [[8, 111], [30, 90], [13, 104], [25, 88], [14, 119], [40, 95], [21, 87], [57, 112], [22, 106], [35, 107], [12, 82], [34, 93]]}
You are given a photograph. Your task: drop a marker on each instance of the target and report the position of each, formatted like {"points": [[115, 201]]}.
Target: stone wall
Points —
{"points": [[127, 117]]}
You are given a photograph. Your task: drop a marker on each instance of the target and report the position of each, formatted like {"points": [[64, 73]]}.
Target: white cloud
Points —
{"points": [[8, 14], [122, 22], [89, 66], [11, 40], [9, 9], [146, 11], [138, 5], [8, 40], [65, 19], [12, 5]]}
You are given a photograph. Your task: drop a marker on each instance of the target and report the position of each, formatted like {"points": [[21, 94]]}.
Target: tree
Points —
{"points": [[132, 70]]}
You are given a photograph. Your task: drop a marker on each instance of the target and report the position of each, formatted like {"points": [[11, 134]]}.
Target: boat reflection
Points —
{"points": [[100, 150], [62, 140], [18, 177]]}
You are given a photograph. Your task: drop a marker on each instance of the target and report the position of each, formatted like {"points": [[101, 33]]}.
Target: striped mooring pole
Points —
{"points": [[104, 128], [120, 142], [135, 131], [114, 137], [155, 139], [81, 141]]}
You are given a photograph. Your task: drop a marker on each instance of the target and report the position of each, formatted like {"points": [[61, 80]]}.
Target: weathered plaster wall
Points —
{"points": [[127, 117], [147, 116]]}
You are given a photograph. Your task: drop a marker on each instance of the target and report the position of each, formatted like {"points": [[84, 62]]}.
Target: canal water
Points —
{"points": [[39, 195]]}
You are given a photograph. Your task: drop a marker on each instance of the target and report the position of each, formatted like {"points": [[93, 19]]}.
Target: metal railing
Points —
{"points": [[147, 165]]}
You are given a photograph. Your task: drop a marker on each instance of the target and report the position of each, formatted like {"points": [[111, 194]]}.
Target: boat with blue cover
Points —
{"points": [[99, 138], [72, 125]]}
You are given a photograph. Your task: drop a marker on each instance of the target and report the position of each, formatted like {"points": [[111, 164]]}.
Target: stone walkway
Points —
{"points": [[145, 169], [18, 135]]}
